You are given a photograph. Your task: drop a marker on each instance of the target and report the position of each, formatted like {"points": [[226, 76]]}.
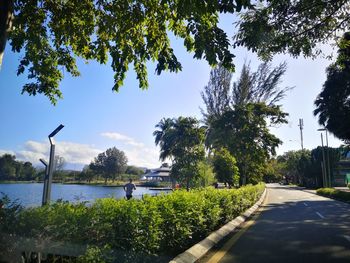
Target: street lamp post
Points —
{"points": [[46, 178], [51, 163], [323, 165], [327, 166]]}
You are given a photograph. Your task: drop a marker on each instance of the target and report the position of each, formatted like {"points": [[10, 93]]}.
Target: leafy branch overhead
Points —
{"points": [[292, 26], [51, 34]]}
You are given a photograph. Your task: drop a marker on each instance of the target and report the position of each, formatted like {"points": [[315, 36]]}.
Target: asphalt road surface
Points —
{"points": [[292, 226]]}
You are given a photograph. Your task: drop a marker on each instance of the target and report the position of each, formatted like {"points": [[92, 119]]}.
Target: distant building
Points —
{"points": [[161, 174], [342, 173]]}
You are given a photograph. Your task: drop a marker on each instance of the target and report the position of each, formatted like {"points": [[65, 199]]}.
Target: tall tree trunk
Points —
{"points": [[6, 16]]}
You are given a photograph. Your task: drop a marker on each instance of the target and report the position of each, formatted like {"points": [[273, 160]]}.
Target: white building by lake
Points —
{"points": [[161, 174]]}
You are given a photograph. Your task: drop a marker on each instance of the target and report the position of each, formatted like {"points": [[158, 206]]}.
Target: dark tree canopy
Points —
{"points": [[333, 103], [51, 34], [11, 169], [292, 26], [224, 166]]}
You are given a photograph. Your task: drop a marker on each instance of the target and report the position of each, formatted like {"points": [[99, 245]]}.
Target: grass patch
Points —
{"points": [[334, 193]]}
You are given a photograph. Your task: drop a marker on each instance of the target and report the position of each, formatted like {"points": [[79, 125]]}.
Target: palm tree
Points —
{"points": [[164, 137], [181, 140]]}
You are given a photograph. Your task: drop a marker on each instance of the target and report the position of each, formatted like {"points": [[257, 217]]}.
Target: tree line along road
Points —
{"points": [[291, 226]]}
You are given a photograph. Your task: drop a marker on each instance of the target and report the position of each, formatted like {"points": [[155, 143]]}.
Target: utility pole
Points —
{"points": [[301, 125]]}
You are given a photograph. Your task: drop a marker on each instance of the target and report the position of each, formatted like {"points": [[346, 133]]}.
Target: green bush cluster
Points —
{"points": [[136, 230], [334, 193]]}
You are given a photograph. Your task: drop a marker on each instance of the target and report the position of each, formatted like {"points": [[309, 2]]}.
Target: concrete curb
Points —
{"points": [[200, 249]]}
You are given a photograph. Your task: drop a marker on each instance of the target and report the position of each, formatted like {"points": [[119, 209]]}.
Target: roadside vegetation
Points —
{"points": [[303, 167], [131, 231], [334, 193]]}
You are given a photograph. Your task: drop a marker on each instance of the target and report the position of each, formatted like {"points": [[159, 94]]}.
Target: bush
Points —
{"points": [[136, 230], [334, 193]]}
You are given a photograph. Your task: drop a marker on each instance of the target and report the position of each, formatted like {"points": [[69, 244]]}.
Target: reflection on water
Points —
{"points": [[31, 194]]}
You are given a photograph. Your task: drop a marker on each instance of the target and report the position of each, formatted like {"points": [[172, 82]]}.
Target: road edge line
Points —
{"points": [[198, 250]]}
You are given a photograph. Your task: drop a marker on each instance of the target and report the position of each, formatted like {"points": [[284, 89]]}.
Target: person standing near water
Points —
{"points": [[129, 188]]}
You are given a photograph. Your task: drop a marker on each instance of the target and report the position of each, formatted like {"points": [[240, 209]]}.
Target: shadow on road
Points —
{"points": [[296, 231]]}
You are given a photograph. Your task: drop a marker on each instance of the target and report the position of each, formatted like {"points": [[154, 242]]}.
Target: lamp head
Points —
{"points": [[43, 162], [56, 131]]}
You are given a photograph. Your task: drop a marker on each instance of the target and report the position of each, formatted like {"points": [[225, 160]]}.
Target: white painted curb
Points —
{"points": [[200, 249]]}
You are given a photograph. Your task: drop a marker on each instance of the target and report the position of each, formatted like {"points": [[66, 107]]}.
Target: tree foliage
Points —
{"points": [[109, 164], [134, 170], [263, 85], [294, 27], [206, 175], [240, 121], [303, 167], [216, 95], [51, 34], [225, 167], [244, 132], [333, 103], [11, 169], [181, 140]]}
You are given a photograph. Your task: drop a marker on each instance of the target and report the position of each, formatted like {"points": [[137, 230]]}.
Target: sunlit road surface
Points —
{"points": [[292, 226]]}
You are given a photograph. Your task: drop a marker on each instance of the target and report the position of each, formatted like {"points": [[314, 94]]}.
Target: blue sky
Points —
{"points": [[96, 118]]}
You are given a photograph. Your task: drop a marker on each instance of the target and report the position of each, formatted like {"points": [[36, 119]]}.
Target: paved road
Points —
{"points": [[293, 226]]}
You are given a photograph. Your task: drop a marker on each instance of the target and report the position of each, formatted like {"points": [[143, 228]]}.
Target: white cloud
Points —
{"points": [[122, 138], [144, 157], [76, 155], [73, 153], [138, 153]]}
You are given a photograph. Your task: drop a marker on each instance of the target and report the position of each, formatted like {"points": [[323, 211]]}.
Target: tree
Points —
{"points": [[110, 163], [295, 165], [131, 169], [241, 126], [60, 163], [225, 167], [28, 171], [11, 169], [181, 140], [86, 174], [294, 27], [262, 85], [216, 95], [272, 172], [303, 167], [51, 34], [206, 175], [8, 167], [244, 132], [333, 104]]}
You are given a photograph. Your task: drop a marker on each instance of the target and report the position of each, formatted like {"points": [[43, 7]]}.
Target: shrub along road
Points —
{"points": [[293, 226]]}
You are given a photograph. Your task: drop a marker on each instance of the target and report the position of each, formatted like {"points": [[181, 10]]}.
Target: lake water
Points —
{"points": [[31, 194]]}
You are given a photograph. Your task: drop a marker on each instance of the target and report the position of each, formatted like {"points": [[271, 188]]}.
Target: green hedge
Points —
{"points": [[151, 229], [334, 193]]}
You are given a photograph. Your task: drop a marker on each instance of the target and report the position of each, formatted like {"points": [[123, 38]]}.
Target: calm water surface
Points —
{"points": [[31, 194]]}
